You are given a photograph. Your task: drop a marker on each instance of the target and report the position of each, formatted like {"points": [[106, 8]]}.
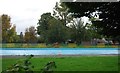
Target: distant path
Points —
{"points": [[40, 56]]}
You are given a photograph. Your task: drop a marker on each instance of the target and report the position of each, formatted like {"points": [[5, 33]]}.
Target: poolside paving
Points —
{"points": [[41, 56]]}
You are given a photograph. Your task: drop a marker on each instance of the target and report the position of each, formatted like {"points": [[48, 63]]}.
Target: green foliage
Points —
{"points": [[107, 11], [21, 66], [56, 32], [30, 35], [0, 30], [26, 66], [94, 31], [78, 31], [21, 38], [50, 29], [43, 25], [49, 67], [27, 36], [60, 45], [8, 31], [61, 13]]}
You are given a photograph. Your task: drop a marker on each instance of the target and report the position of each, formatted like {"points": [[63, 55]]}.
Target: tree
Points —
{"points": [[27, 36], [32, 32], [0, 30], [21, 37], [8, 31], [30, 35], [12, 35], [108, 12], [60, 12], [43, 25], [51, 29], [78, 31], [56, 32]]}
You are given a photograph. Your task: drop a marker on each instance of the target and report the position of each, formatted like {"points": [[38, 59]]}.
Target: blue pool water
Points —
{"points": [[57, 51]]}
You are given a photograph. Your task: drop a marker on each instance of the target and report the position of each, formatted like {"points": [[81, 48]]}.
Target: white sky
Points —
{"points": [[25, 13]]}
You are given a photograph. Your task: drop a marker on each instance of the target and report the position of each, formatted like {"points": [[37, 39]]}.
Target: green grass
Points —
{"points": [[43, 45], [82, 63]]}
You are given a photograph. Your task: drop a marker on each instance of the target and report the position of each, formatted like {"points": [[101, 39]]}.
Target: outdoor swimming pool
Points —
{"points": [[58, 51]]}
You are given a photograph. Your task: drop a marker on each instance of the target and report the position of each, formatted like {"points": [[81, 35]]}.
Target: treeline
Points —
{"points": [[59, 27], [62, 26], [9, 34]]}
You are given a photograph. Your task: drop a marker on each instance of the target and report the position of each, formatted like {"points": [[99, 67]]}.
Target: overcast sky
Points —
{"points": [[25, 13]]}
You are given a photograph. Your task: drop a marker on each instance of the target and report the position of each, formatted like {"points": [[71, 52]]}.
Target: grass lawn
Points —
{"points": [[81, 63], [43, 45]]}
